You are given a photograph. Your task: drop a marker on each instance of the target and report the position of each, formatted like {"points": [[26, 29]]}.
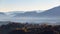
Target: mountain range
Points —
{"points": [[51, 16], [54, 12]]}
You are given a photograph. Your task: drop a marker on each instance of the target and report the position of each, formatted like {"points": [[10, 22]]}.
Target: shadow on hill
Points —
{"points": [[18, 28], [17, 32], [23, 32], [48, 32]]}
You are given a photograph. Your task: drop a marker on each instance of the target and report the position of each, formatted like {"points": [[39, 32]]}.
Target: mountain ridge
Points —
{"points": [[54, 12]]}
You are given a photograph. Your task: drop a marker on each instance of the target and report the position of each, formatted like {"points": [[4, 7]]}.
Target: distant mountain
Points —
{"points": [[25, 14], [29, 16], [54, 12], [2, 14]]}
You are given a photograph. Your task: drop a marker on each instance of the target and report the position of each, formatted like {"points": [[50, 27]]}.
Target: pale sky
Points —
{"points": [[27, 5]]}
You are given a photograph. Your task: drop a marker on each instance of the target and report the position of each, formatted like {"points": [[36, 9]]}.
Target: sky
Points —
{"points": [[27, 5]]}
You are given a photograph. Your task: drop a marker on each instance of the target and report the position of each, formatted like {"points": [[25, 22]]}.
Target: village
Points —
{"points": [[26, 28]]}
